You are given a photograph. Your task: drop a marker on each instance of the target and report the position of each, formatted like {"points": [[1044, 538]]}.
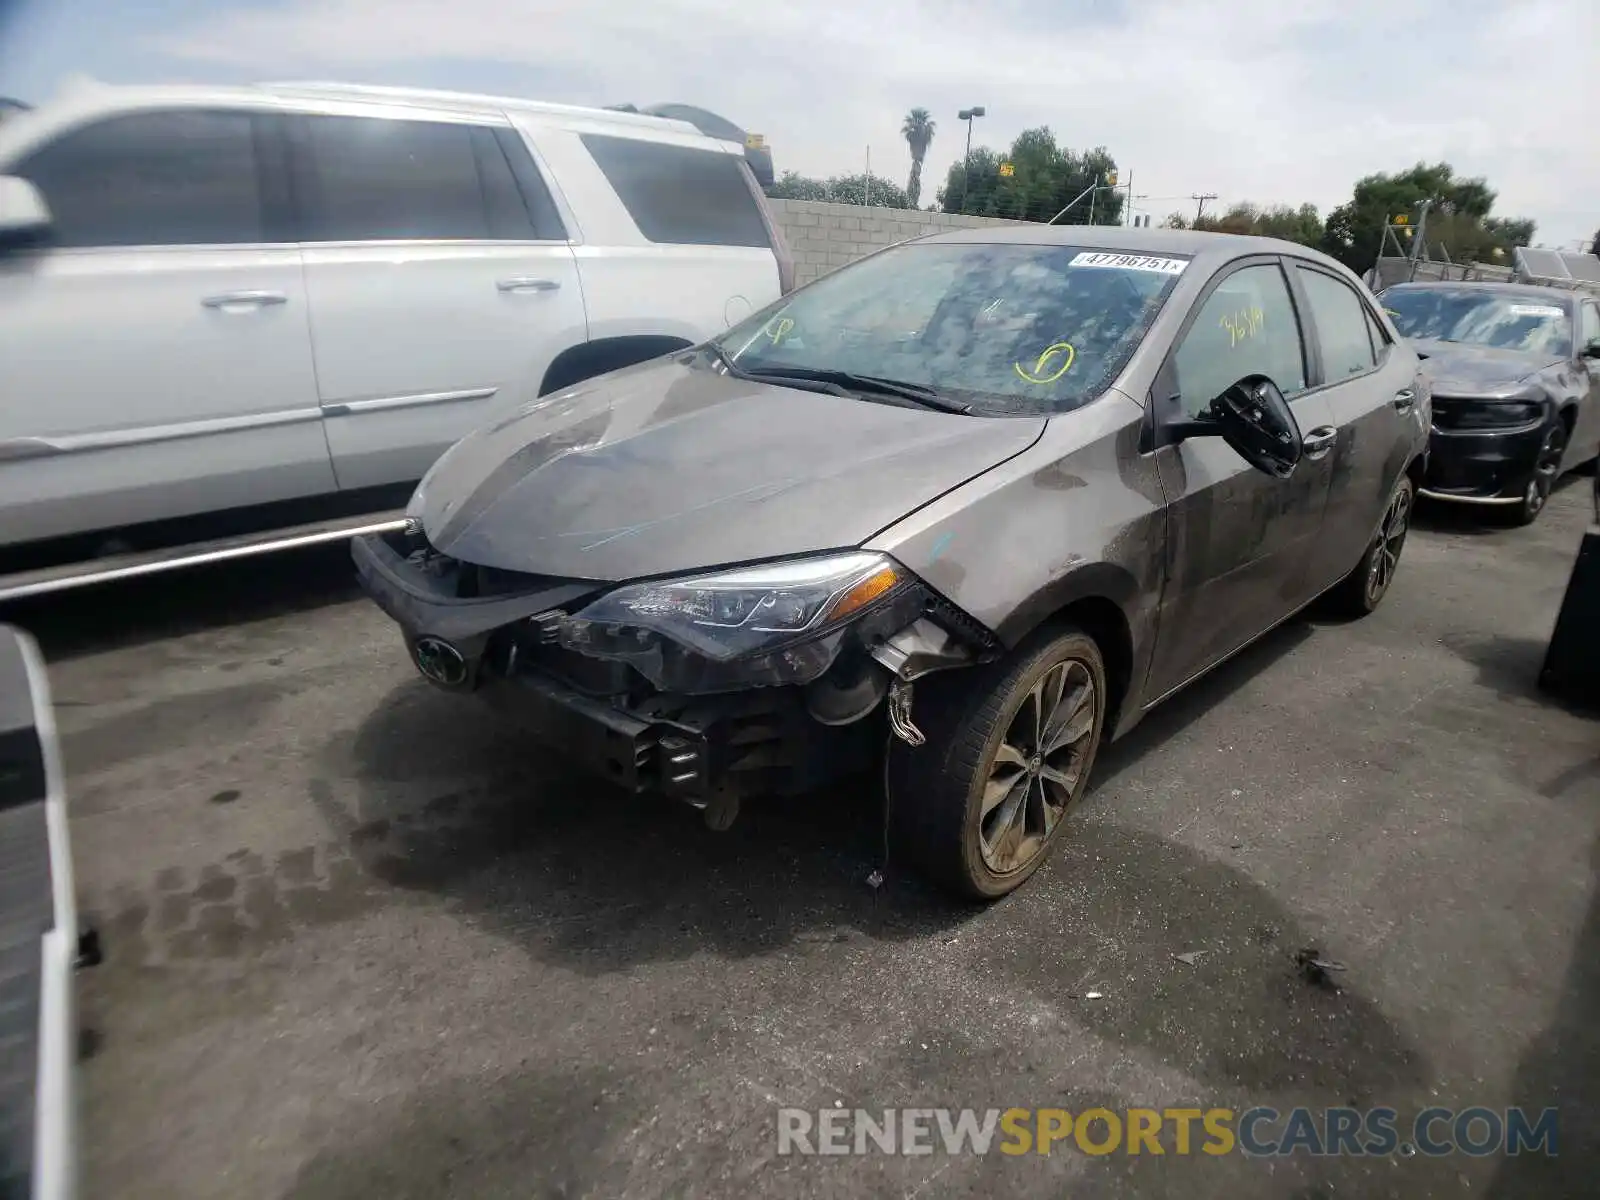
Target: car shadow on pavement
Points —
{"points": [[92, 620], [1472, 520], [1238, 1013], [435, 795], [430, 796], [1561, 1069], [1172, 716]]}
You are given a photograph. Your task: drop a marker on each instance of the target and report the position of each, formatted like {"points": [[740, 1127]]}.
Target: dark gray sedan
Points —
{"points": [[975, 503]]}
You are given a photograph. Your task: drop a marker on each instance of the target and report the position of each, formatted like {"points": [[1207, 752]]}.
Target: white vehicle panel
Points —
{"points": [[416, 344], [141, 384]]}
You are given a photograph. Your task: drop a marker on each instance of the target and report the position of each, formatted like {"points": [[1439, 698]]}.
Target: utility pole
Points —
{"points": [[868, 200], [1200, 199], [967, 115], [1127, 209]]}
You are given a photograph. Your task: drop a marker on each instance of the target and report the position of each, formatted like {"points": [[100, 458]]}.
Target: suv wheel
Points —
{"points": [[1008, 753], [1365, 587]]}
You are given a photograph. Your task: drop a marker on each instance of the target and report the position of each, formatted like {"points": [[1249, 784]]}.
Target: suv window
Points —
{"points": [[386, 180], [1588, 323], [185, 177], [1246, 327], [682, 196], [1341, 321]]}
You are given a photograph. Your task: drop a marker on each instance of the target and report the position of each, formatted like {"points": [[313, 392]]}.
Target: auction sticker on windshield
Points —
{"points": [[1130, 262], [1536, 310]]}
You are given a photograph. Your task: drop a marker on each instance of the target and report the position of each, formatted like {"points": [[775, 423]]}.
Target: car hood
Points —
{"points": [[670, 467], [1457, 369]]}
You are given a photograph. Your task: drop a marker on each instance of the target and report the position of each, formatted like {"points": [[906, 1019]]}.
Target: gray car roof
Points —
{"points": [[1207, 249], [1532, 291]]}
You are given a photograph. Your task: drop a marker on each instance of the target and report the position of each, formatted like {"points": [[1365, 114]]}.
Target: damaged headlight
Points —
{"points": [[778, 623]]}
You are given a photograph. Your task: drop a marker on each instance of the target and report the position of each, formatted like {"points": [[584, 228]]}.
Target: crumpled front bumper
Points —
{"points": [[595, 713]]}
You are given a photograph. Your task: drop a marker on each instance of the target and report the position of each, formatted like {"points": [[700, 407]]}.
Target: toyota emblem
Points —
{"points": [[440, 662]]}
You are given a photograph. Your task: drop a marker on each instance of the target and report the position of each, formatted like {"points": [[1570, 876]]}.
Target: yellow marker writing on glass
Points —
{"points": [[1245, 323], [1063, 350], [779, 329]]}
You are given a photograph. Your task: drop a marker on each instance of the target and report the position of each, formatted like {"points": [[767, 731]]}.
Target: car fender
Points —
{"points": [[1079, 516]]}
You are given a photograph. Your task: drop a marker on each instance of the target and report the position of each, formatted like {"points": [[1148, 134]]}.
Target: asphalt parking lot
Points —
{"points": [[362, 942]]}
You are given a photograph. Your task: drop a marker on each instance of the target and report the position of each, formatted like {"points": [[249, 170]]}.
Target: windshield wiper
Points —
{"points": [[803, 381], [926, 397]]}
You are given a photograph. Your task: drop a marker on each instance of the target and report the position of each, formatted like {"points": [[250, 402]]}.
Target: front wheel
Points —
{"points": [[1365, 587], [1546, 470], [1008, 753]]}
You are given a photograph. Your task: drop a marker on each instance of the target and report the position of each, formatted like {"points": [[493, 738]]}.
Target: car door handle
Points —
{"points": [[525, 284], [1319, 441], [1405, 400], [245, 300], [16, 449]]}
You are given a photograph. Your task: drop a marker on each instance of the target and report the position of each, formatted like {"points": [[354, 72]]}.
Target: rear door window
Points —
{"points": [[160, 178], [385, 180], [680, 195], [1341, 321]]}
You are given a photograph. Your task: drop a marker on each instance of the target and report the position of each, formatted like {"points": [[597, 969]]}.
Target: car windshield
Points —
{"points": [[1001, 328], [1494, 319]]}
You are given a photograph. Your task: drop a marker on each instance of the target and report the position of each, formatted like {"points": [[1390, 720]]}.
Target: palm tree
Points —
{"points": [[918, 132]]}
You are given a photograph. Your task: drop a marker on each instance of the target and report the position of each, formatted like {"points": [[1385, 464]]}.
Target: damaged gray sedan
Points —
{"points": [[977, 503]]}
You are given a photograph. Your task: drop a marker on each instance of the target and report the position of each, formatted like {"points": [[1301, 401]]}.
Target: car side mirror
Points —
{"points": [[1255, 420], [24, 216], [1592, 350]]}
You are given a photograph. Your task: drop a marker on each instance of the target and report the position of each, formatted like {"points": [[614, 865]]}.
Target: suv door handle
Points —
{"points": [[1405, 400], [1319, 441], [245, 300], [526, 284]]}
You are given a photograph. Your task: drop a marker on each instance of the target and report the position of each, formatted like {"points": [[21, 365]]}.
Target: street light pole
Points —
{"points": [[967, 115]]}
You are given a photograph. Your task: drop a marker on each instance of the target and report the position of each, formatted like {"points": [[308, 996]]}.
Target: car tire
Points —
{"points": [[1361, 591], [1546, 470], [948, 798]]}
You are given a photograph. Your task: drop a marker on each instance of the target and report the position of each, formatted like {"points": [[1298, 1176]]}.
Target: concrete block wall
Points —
{"points": [[824, 236]]}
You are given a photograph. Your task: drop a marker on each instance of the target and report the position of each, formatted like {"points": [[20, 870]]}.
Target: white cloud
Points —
{"points": [[1258, 99]]}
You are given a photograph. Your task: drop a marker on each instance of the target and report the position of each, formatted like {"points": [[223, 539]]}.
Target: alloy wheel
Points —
{"points": [[1038, 767], [1391, 538], [1545, 471]]}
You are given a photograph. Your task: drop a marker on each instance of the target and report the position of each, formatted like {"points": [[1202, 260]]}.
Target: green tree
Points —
{"points": [[1458, 216], [1045, 178], [917, 129], [862, 189], [1301, 224], [791, 185], [840, 189]]}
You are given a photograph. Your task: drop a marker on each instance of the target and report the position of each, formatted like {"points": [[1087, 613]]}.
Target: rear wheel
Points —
{"points": [[1008, 753], [1365, 587], [1546, 470]]}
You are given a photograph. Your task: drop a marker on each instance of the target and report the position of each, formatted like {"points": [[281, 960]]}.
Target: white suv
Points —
{"points": [[224, 299]]}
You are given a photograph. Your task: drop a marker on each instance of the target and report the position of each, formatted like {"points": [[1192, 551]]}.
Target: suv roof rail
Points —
{"points": [[444, 98]]}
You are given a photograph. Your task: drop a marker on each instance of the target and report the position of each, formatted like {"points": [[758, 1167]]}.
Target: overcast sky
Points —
{"points": [[1267, 100]]}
